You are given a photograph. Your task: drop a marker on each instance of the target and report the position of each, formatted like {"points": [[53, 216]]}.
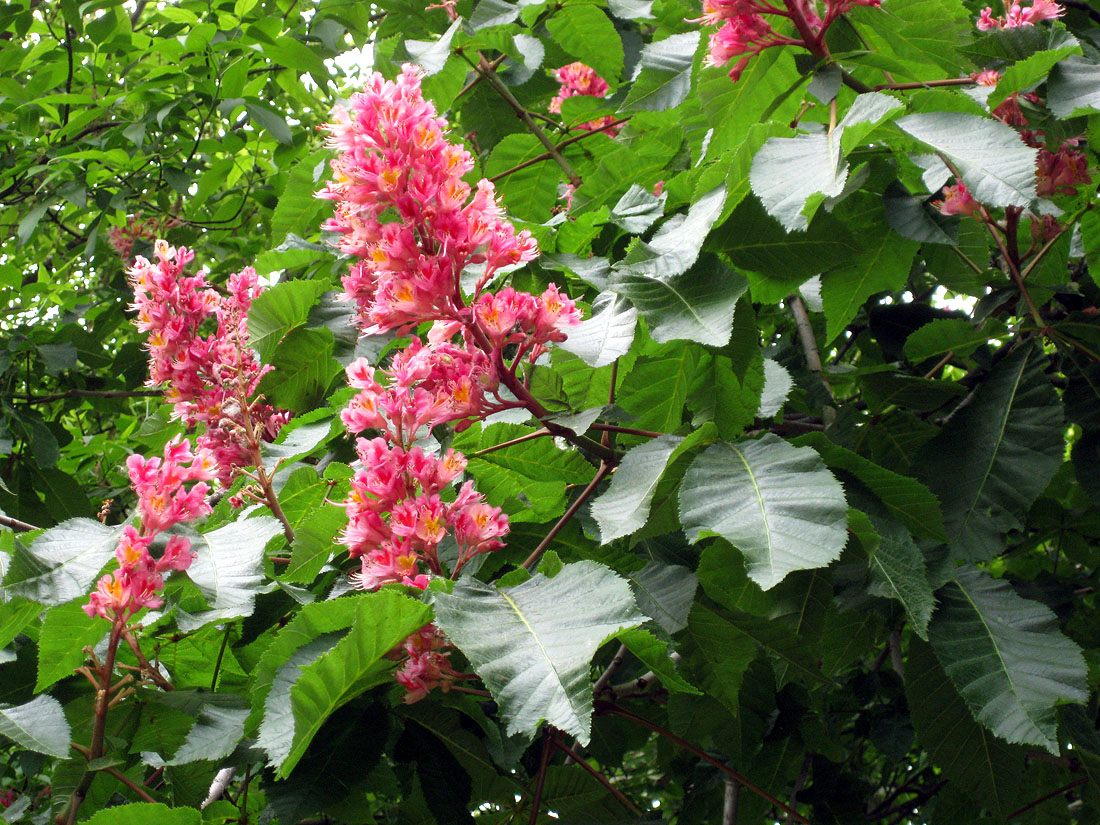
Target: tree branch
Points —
{"points": [[807, 339], [604, 469], [58, 396], [595, 774]]}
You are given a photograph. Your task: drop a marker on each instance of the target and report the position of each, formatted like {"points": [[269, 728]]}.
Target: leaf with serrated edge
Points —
{"points": [[607, 334], [776, 503], [1007, 657], [624, 507], [38, 725], [532, 644]]}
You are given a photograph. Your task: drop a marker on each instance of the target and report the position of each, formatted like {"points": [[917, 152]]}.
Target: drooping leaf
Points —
{"points": [[996, 454], [38, 725], [532, 644], [942, 336], [1073, 87], [279, 310], [786, 172], [776, 503], [1007, 657], [654, 654], [996, 165], [898, 570], [586, 34], [664, 79], [676, 245], [228, 568]]}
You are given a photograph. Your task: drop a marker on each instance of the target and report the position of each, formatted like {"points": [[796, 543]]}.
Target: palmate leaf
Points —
{"points": [[532, 644], [996, 454], [1007, 657], [776, 503]]}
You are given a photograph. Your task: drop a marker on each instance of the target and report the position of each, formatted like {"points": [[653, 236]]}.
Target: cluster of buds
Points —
{"points": [[123, 238], [1016, 15], [745, 31], [403, 209], [164, 499], [579, 80], [211, 378]]}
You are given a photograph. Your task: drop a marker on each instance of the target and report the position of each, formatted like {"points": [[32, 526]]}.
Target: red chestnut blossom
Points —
{"points": [[579, 80], [1061, 172], [1017, 15], [206, 376], [957, 200], [403, 209], [163, 501]]}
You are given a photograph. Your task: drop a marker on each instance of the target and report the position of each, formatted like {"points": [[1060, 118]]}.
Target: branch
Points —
{"points": [[605, 677], [926, 84], [58, 396], [604, 469], [540, 778], [506, 95], [1069, 786], [560, 146], [503, 444], [806, 337], [15, 524], [607, 707]]}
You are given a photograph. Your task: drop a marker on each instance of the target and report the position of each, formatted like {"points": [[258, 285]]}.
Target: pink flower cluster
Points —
{"points": [[163, 500], [1016, 15], [579, 80], [122, 238], [1061, 172], [403, 209], [208, 377], [745, 31]]}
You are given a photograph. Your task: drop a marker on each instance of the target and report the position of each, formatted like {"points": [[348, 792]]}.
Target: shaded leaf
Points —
{"points": [[38, 725]]}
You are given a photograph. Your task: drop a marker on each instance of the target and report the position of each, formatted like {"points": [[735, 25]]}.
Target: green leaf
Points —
{"points": [[144, 813], [304, 370], [228, 568], [717, 393], [786, 172], [218, 727], [279, 310], [624, 507], [1007, 658], [489, 13], [38, 725], [637, 210], [996, 165], [298, 211], [607, 334], [15, 615], [532, 644], [697, 305], [432, 55], [777, 386], [1026, 73], [66, 631], [1074, 87], [653, 653], [271, 121], [983, 766], [882, 264], [929, 32], [357, 662], [664, 77], [664, 592], [657, 387], [996, 454], [906, 499], [530, 192], [898, 572], [944, 335], [62, 563], [586, 33], [912, 218], [721, 655], [776, 503], [300, 437], [676, 245]]}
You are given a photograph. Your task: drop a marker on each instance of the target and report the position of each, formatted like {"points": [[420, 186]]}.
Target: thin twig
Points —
{"points": [[1069, 786], [568, 142], [129, 783], [540, 778], [607, 707], [221, 654], [503, 444], [15, 524], [605, 677], [926, 84], [595, 774], [611, 428], [58, 396], [604, 469]]}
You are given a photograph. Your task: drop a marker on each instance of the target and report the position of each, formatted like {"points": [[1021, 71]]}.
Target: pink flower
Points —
{"points": [[957, 200], [1061, 172], [1017, 15], [577, 79]]}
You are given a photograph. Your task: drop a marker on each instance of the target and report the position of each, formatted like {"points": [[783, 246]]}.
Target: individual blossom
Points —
{"points": [[1061, 172], [957, 200], [579, 80], [208, 379], [171, 489], [1017, 15]]}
